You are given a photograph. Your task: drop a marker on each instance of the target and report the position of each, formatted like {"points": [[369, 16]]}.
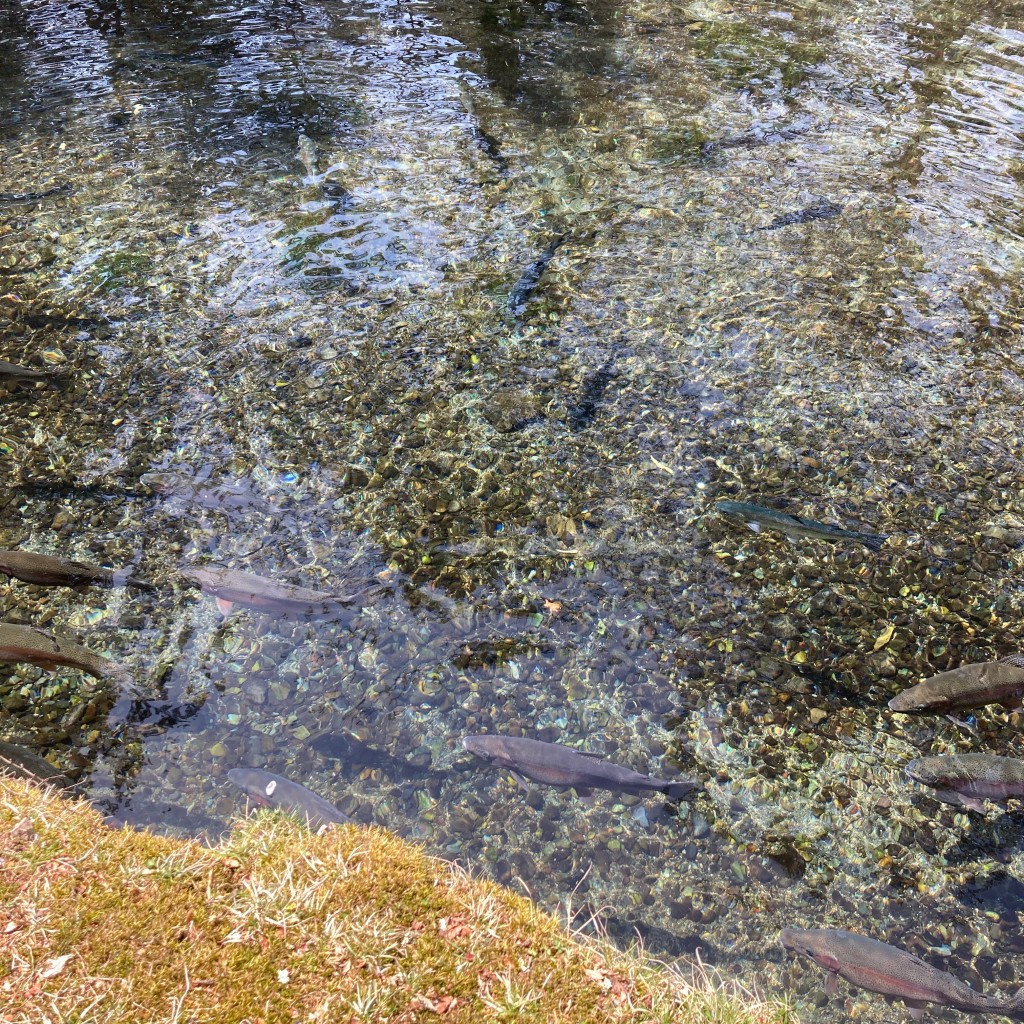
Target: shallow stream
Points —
{"points": [[781, 261]]}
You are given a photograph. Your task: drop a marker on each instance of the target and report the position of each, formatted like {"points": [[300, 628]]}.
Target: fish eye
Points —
{"points": [[271, 786]]}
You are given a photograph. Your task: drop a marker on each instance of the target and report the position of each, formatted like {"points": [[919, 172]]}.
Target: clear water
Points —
{"points": [[530, 490]]}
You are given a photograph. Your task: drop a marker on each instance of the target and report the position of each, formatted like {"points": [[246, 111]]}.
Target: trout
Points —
{"points": [[270, 790], [966, 687], [50, 570], [756, 516], [970, 779], [232, 586], [556, 765], [16, 374], [36, 646], [891, 972]]}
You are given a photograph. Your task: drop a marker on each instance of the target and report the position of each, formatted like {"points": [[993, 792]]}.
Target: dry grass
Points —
{"points": [[277, 924]]}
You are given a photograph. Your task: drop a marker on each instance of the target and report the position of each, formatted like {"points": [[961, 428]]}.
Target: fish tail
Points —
{"points": [[873, 540], [677, 790]]}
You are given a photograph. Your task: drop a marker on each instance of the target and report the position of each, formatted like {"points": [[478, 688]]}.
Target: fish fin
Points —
{"points": [[586, 795], [961, 723], [874, 541], [916, 1009], [521, 779], [677, 790], [224, 606], [756, 527], [974, 803], [831, 983], [588, 753], [1017, 660]]}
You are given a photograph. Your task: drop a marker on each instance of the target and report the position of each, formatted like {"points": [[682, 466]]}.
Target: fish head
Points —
{"points": [[485, 747], [256, 785], [813, 944], [925, 770], [917, 698]]}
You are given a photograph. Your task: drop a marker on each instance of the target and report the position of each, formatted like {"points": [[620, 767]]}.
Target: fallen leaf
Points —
{"points": [[554, 607], [55, 966], [884, 637]]}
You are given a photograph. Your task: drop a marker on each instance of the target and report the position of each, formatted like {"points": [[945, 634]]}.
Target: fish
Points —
{"points": [[51, 570], [530, 278], [271, 790], [756, 516], [593, 390], [15, 374], [308, 155], [38, 647], [556, 765], [23, 763], [341, 745], [966, 687], [970, 779], [823, 210], [228, 495], [233, 586], [891, 972], [16, 198]]}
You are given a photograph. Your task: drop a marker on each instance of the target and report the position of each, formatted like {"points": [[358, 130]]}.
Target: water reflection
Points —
{"points": [[326, 365]]}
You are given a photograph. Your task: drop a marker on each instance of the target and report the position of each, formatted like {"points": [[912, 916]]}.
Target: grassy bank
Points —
{"points": [[278, 924]]}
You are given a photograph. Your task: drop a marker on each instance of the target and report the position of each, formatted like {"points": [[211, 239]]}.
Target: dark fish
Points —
{"points": [[276, 791], [970, 779], [343, 746], [36, 646], [26, 375], [23, 763], [756, 516], [558, 765], [823, 210], [49, 570], [14, 198], [891, 972], [761, 135], [489, 147], [523, 289], [232, 586], [593, 390], [228, 495], [966, 687]]}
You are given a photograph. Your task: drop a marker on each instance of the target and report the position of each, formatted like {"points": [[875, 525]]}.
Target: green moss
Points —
{"points": [[277, 923]]}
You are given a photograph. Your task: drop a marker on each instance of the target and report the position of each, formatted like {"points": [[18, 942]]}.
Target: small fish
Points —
{"points": [[593, 390], [756, 516], [556, 765], [524, 288], [15, 374], [822, 210], [891, 972], [270, 790], [308, 155], [231, 494], [23, 763], [36, 646], [15, 199], [233, 586], [970, 779], [50, 570], [966, 687]]}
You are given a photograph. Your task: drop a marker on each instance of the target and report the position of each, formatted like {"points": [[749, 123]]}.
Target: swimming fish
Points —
{"points": [[23, 763], [756, 516], [969, 686], [270, 790], [15, 374], [558, 765], [308, 155], [970, 779], [891, 972], [230, 494], [16, 198], [233, 586], [38, 647], [822, 210], [530, 278], [50, 570]]}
